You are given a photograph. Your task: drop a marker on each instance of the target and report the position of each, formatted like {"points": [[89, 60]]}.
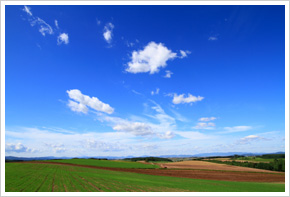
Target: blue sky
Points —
{"points": [[144, 80]]}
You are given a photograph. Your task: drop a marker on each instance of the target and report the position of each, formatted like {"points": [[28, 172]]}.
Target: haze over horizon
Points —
{"points": [[118, 81]]}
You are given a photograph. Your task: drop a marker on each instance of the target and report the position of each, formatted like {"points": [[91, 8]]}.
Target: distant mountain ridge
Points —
{"points": [[164, 156]]}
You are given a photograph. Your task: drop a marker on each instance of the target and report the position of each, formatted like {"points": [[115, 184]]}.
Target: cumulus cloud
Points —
{"points": [[77, 107], [168, 74], [212, 38], [17, 148], [206, 119], [184, 54], [108, 32], [85, 101], [153, 57], [204, 125], [177, 99], [62, 38], [155, 92]]}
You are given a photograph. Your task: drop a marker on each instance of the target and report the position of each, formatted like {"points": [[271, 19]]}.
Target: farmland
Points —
{"points": [[56, 177], [105, 163]]}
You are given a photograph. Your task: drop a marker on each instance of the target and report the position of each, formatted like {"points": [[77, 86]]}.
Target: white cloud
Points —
{"points": [[98, 21], [27, 10], [206, 119], [177, 99], [100, 145], [193, 135], [136, 128], [56, 24], [163, 129], [77, 107], [156, 92], [153, 57], [184, 53], [204, 125], [212, 38], [17, 148], [236, 129], [43, 27], [56, 148], [84, 101], [108, 32], [250, 138], [62, 38], [168, 74], [166, 135], [135, 92]]}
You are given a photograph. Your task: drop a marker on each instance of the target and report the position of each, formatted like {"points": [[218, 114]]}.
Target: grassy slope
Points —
{"points": [[256, 159], [106, 163], [29, 177]]}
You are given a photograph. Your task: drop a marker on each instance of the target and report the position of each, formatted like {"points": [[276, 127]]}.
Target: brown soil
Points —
{"points": [[195, 174], [210, 166]]}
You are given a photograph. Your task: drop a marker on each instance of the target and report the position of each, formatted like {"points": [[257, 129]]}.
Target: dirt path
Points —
{"points": [[190, 173]]}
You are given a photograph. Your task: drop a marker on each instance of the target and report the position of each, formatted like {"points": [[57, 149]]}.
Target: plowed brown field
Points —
{"points": [[195, 174], [210, 166]]}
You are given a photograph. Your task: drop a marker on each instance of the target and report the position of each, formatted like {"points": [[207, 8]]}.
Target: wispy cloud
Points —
{"points": [[135, 92], [204, 125], [212, 38], [98, 21], [56, 24], [151, 59], [44, 28], [27, 10], [184, 54], [81, 102], [108, 32], [236, 129], [249, 139], [168, 74], [206, 119], [155, 92], [180, 99]]}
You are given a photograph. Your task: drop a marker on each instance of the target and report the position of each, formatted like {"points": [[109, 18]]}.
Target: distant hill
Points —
{"points": [[147, 159], [162, 156]]}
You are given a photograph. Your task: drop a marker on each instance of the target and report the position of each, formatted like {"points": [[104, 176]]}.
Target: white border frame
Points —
{"points": [[4, 3]]}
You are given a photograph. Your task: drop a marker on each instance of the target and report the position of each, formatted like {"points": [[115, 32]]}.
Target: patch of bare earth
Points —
{"points": [[203, 165], [209, 173]]}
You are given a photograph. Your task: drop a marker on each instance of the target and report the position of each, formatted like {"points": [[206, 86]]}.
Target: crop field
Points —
{"points": [[105, 163], [210, 166], [251, 159], [42, 177]]}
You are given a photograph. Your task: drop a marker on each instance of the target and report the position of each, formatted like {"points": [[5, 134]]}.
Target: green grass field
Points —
{"points": [[257, 159], [28, 177], [106, 163]]}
